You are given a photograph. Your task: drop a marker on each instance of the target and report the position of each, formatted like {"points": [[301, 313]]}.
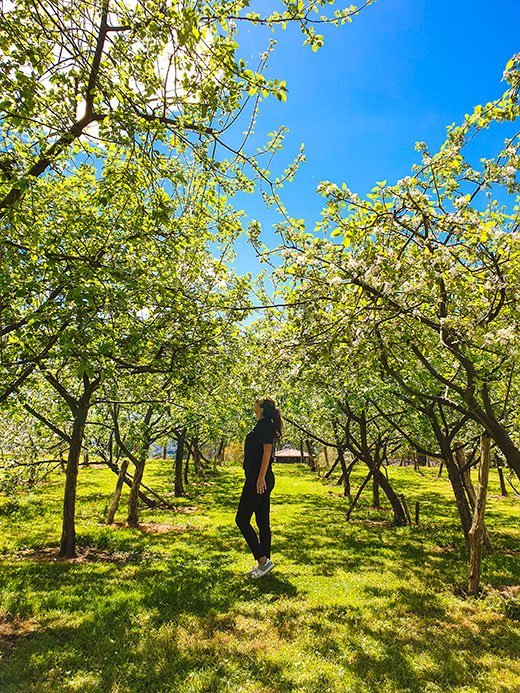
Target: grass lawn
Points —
{"points": [[358, 606]]}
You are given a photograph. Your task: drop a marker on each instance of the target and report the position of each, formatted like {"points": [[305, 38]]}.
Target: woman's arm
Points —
{"points": [[266, 458]]}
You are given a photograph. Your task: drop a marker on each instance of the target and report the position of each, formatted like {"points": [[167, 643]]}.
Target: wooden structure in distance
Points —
{"points": [[291, 455]]}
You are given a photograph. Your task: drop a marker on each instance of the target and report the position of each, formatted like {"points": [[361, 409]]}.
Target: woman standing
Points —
{"points": [[256, 495]]}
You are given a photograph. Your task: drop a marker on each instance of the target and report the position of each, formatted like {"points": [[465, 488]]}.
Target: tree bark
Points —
{"points": [[187, 464], [345, 476], [117, 492], [358, 494], [68, 532], [179, 453], [132, 519], [461, 499], [326, 453], [312, 461], [376, 501], [477, 527], [405, 508], [128, 479], [139, 461], [219, 458], [196, 456], [362, 450], [334, 465], [465, 474], [500, 469], [397, 508]]}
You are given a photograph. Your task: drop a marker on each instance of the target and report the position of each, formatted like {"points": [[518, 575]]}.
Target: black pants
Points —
{"points": [[259, 504]]}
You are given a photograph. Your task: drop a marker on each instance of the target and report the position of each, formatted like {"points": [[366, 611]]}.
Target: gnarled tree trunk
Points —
{"points": [[68, 532], [79, 409]]}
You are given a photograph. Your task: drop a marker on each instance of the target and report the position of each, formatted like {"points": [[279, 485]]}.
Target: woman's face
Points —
{"points": [[259, 412]]}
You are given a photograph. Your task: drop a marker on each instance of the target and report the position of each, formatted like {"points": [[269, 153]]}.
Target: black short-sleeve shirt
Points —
{"points": [[263, 432]]}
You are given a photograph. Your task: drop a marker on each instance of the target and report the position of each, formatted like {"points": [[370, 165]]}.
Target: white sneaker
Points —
{"points": [[260, 571]]}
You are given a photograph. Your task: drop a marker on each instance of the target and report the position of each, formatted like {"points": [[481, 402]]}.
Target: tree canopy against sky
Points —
{"points": [[400, 73]]}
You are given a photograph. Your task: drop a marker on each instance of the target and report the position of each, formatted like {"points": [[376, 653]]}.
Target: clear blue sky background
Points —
{"points": [[401, 72]]}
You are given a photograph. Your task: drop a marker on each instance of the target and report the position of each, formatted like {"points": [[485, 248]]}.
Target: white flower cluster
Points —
{"points": [[327, 189], [461, 201]]}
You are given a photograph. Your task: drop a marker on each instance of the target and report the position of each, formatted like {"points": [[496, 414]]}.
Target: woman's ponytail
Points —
{"points": [[272, 413]]}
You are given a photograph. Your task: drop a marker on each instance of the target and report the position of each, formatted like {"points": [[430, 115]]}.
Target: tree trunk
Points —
{"points": [[461, 499], [376, 501], [326, 453], [165, 450], [500, 469], [68, 532], [139, 461], [132, 519], [186, 464], [179, 488], [346, 478], [405, 508], [465, 474], [196, 457], [110, 447], [477, 527], [142, 496], [384, 483], [345, 475], [117, 492], [220, 452], [363, 452], [312, 461], [358, 494]]}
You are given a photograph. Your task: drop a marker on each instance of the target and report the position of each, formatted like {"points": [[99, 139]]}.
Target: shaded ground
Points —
{"points": [[357, 606]]}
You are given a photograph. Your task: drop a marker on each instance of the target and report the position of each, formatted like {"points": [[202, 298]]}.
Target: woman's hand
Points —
{"points": [[260, 484]]}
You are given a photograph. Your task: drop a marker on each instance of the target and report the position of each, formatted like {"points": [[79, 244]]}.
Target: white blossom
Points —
{"points": [[461, 201]]}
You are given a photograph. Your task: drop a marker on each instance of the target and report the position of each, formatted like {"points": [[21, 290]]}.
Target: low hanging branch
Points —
{"points": [[308, 433]]}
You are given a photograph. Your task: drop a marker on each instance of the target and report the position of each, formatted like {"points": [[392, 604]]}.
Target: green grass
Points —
{"points": [[357, 606]]}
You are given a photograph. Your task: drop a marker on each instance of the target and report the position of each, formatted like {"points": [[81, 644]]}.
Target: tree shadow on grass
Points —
{"points": [[106, 607], [112, 655], [176, 623]]}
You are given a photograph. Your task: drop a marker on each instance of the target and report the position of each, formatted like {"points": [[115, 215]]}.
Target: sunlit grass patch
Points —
{"points": [[358, 606]]}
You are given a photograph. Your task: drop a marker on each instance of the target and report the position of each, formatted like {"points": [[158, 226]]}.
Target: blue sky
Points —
{"points": [[401, 72]]}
